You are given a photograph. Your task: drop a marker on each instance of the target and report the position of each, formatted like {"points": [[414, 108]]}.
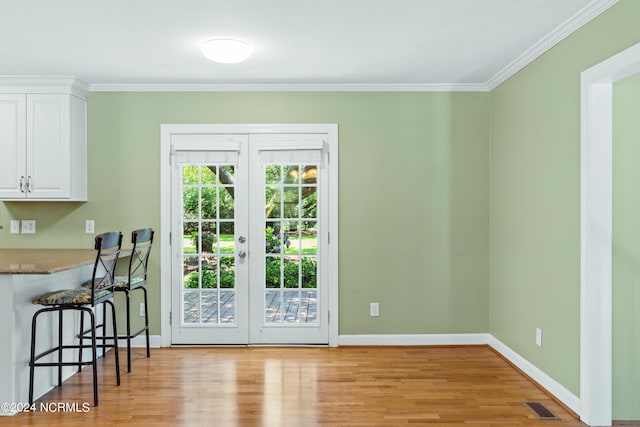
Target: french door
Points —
{"points": [[249, 239]]}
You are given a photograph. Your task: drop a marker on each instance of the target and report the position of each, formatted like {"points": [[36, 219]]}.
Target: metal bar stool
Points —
{"points": [[82, 299], [142, 240]]}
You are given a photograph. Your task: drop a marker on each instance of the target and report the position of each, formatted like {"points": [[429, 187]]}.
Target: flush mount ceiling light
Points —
{"points": [[226, 51]]}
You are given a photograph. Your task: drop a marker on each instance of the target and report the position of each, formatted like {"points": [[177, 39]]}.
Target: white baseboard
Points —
{"points": [[552, 386], [414, 339]]}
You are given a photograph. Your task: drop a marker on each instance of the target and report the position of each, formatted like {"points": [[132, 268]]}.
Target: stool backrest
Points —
{"points": [[108, 246], [142, 240]]}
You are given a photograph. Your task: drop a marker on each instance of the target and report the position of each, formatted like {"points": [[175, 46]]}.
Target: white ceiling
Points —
{"points": [[296, 42]]}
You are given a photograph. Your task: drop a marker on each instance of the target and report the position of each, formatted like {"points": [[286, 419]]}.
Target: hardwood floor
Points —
{"points": [[279, 386]]}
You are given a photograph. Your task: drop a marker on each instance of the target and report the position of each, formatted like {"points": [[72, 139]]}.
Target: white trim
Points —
{"points": [[552, 386], [415, 339], [310, 87], [586, 14], [44, 84], [167, 130], [596, 220], [165, 237]]}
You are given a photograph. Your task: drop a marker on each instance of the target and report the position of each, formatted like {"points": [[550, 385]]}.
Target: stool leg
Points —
{"points": [[94, 353], [104, 331], [81, 340], [60, 347], [126, 293], [32, 359], [115, 340], [146, 318]]}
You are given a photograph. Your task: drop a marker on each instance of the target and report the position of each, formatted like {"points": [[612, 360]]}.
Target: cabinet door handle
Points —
{"points": [[22, 184], [29, 184]]}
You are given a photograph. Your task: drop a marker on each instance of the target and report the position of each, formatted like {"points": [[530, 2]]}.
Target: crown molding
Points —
{"points": [[44, 84], [586, 14], [383, 87]]}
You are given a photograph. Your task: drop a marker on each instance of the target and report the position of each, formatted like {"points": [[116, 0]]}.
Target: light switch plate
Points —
{"points": [[28, 226], [374, 309], [89, 226], [15, 226]]}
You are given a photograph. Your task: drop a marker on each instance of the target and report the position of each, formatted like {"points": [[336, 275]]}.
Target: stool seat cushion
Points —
{"points": [[69, 297], [99, 285], [120, 283], [136, 282]]}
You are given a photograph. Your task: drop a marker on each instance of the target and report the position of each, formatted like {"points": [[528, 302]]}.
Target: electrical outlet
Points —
{"points": [[89, 226], [539, 337], [15, 226], [141, 309], [374, 309], [28, 226]]}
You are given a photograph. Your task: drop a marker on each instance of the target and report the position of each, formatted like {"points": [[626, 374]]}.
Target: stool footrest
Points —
{"points": [[134, 334]]}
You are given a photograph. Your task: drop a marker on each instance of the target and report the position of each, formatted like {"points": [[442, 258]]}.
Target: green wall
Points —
{"points": [[413, 194], [535, 195], [626, 249]]}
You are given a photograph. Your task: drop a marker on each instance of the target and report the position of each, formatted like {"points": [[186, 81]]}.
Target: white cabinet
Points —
{"points": [[43, 147]]}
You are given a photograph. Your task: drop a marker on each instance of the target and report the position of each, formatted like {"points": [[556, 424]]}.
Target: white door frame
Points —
{"points": [[596, 233], [167, 130]]}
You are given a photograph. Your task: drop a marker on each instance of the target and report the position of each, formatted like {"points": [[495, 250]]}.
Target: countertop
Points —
{"points": [[46, 261]]}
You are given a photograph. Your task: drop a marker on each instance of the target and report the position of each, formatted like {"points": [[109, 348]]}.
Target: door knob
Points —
{"points": [[242, 254]]}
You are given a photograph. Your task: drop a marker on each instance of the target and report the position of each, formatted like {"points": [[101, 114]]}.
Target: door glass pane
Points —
{"points": [[208, 203], [190, 203], [207, 238], [227, 307], [272, 307], [190, 244], [190, 174], [309, 204], [208, 245], [226, 204], [209, 304], [191, 307], [309, 272], [291, 244], [209, 174], [227, 272], [291, 200], [273, 272], [226, 239], [291, 174], [309, 237], [226, 175], [209, 272], [272, 202], [272, 174], [190, 272]]}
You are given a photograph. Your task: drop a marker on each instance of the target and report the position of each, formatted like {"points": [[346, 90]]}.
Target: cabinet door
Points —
{"points": [[48, 146], [12, 146]]}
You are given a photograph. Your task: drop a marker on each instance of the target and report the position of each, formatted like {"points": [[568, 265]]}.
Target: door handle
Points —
{"points": [[22, 184], [242, 254]]}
